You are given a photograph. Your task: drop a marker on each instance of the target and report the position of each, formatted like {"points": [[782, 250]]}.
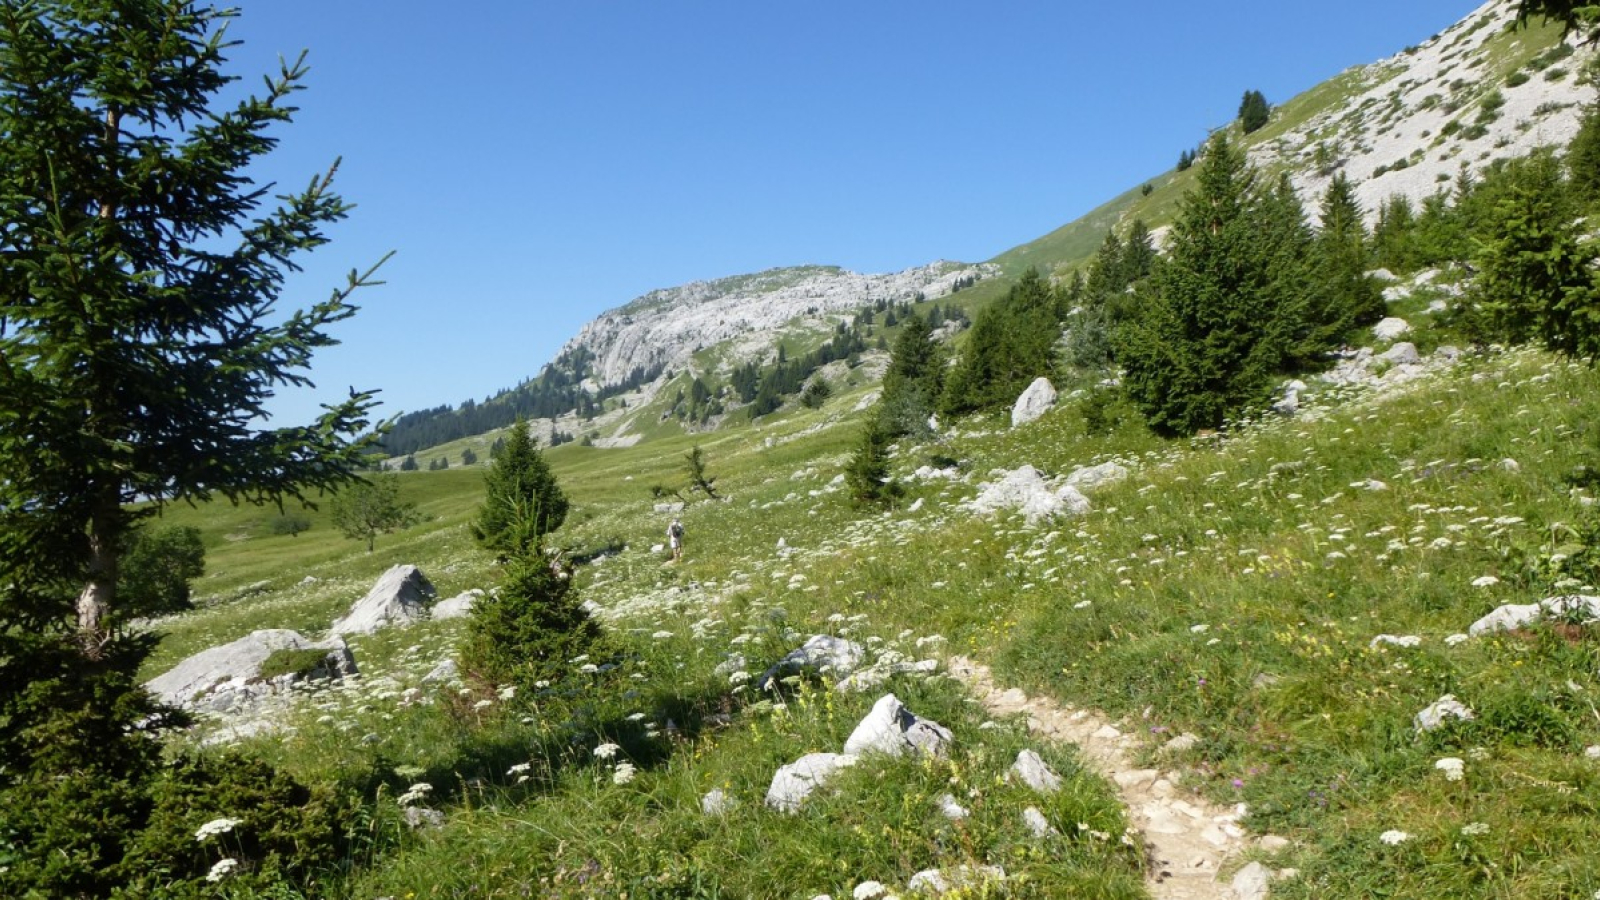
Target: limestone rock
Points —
{"points": [[225, 677], [1091, 477], [458, 606], [1034, 402], [1037, 824], [1026, 491], [792, 784], [1513, 616], [1402, 354], [1390, 328], [820, 653], [716, 802], [1035, 774], [1436, 713], [939, 882], [401, 596], [892, 729], [1252, 882], [950, 809], [422, 817]]}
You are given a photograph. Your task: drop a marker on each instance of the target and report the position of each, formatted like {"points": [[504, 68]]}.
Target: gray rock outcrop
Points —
{"points": [[821, 653], [893, 730], [1027, 492], [1090, 477], [401, 596], [1034, 402], [1033, 772], [228, 677], [458, 606], [1513, 616], [1436, 714], [1390, 328], [792, 784]]}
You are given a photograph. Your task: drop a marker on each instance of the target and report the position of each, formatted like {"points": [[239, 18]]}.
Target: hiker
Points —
{"points": [[675, 538]]}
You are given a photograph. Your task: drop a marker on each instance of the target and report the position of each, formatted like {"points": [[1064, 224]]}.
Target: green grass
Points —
{"points": [[1227, 589]]}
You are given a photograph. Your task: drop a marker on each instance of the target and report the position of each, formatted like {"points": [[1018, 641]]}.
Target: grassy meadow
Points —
{"points": [[1229, 588]]}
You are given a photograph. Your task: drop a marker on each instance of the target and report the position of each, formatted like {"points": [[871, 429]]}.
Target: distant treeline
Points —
{"points": [[555, 392]]}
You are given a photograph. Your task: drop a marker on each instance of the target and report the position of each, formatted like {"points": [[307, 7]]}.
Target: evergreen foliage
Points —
{"points": [[1536, 274], [1207, 342], [1583, 154], [366, 509], [1254, 111], [140, 269], [866, 475], [1341, 296], [529, 630], [1185, 160], [520, 492], [1393, 236], [1574, 15], [1012, 342], [694, 466], [913, 381]]}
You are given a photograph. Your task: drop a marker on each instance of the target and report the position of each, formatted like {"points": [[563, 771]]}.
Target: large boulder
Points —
{"points": [[792, 784], [1027, 492], [894, 730], [401, 596], [458, 606], [227, 677], [1034, 402]]}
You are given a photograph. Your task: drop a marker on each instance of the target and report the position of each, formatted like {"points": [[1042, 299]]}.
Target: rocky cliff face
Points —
{"points": [[666, 327]]}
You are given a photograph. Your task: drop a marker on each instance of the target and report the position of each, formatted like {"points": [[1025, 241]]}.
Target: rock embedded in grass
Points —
{"points": [[401, 596], [1513, 616], [229, 676], [793, 783], [1435, 715], [820, 653], [893, 730], [1035, 774], [1035, 401]]}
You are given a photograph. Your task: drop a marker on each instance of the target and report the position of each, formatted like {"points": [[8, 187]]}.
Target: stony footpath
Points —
{"points": [[1191, 843]]}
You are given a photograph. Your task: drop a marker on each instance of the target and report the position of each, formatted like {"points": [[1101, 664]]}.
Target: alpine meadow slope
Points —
{"points": [[1344, 647]]}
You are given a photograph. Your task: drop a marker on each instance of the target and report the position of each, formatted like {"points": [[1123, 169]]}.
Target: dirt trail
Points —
{"points": [[1189, 840]]}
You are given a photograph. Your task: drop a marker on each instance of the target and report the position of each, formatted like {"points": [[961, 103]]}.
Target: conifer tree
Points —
{"points": [[520, 493], [1205, 345], [866, 475], [1394, 236], [1012, 343], [1341, 294], [1583, 154], [1254, 111], [913, 381], [140, 342]]}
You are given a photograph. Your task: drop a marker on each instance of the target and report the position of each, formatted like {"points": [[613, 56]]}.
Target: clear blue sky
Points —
{"points": [[533, 164]]}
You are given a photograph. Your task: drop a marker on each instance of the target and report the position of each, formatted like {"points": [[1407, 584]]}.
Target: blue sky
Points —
{"points": [[533, 164]]}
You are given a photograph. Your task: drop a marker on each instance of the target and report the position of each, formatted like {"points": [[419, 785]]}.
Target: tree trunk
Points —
{"points": [[94, 603]]}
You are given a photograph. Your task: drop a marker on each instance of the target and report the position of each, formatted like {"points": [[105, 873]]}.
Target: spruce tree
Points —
{"points": [[1583, 154], [140, 342], [1204, 346], [1254, 111], [520, 494], [866, 474], [913, 381], [1012, 343], [1342, 296], [1394, 236]]}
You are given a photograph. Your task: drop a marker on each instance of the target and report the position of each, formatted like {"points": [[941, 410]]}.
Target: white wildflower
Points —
{"points": [[222, 869], [1485, 581], [1452, 767], [1393, 838], [507, 692], [483, 704], [1475, 828], [606, 751], [417, 791], [215, 827], [519, 768], [624, 773]]}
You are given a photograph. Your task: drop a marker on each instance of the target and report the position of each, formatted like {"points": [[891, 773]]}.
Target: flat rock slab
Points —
{"points": [[792, 784], [820, 653], [222, 676]]}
